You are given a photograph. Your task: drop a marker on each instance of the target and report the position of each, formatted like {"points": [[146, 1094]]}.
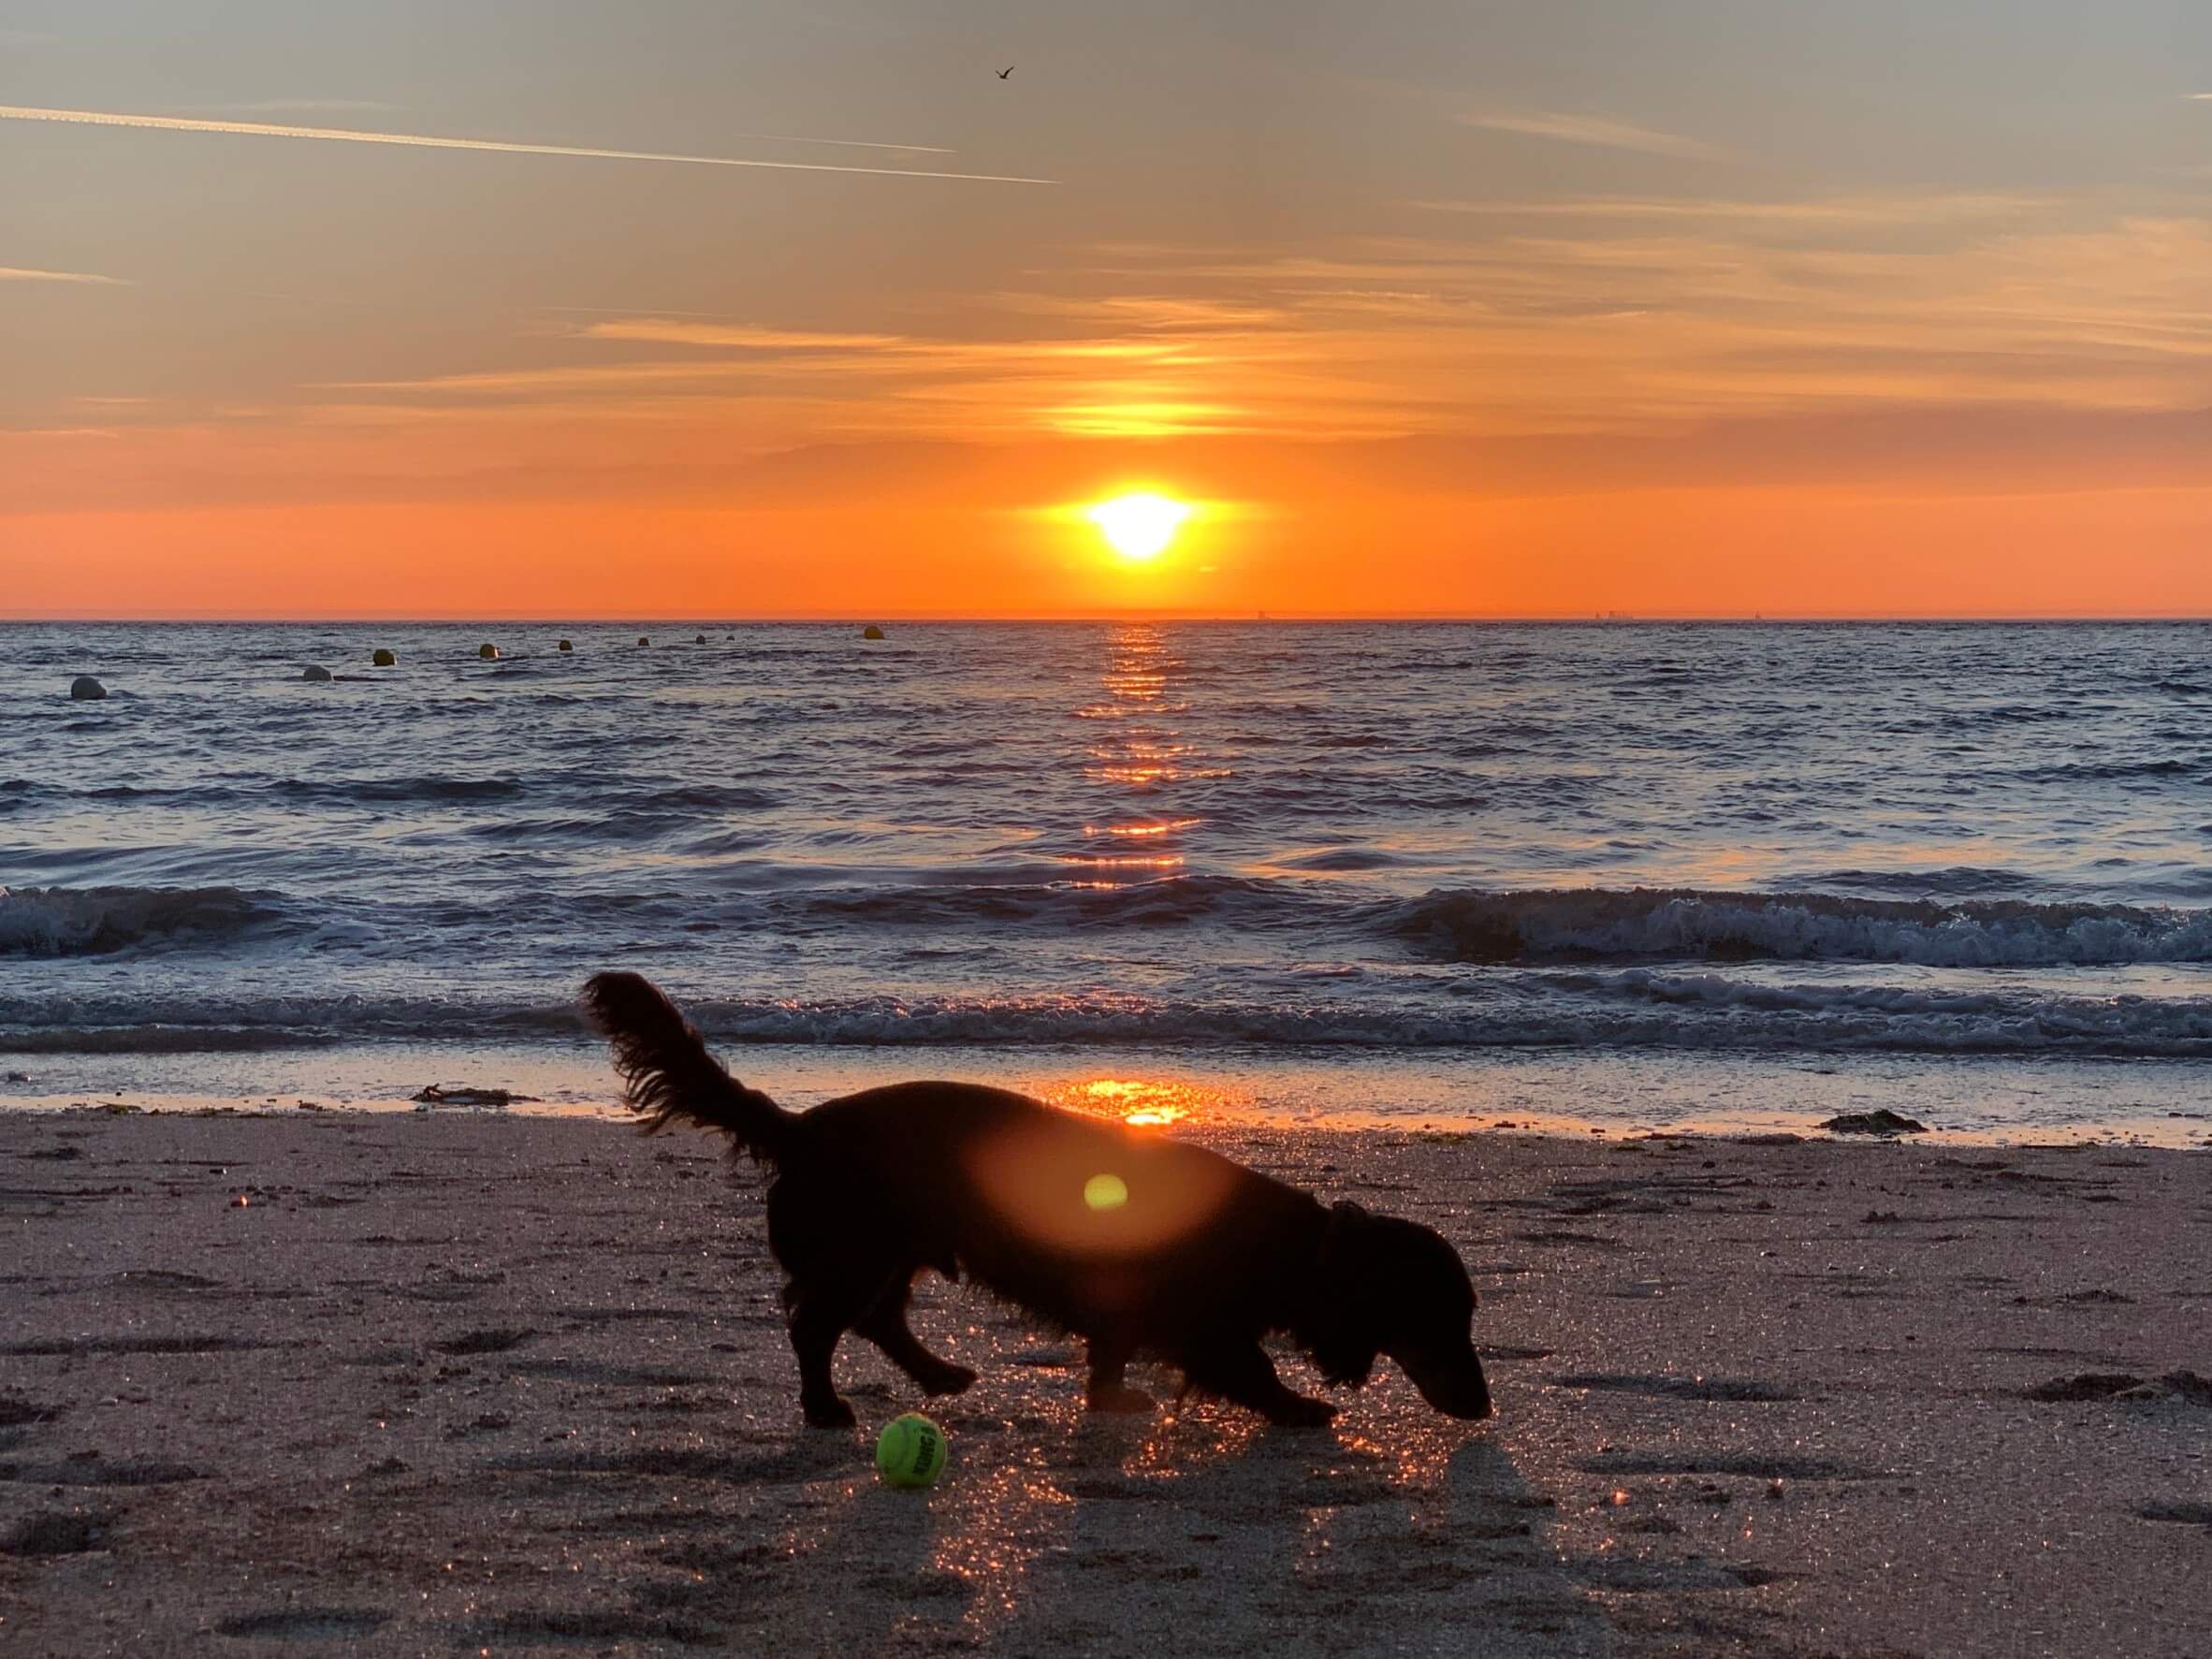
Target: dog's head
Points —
{"points": [[1386, 1286]]}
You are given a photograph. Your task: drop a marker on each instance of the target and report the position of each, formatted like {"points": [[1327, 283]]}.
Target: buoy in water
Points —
{"points": [[871, 631], [566, 646], [317, 673], [488, 652], [382, 659], [643, 640], [701, 640], [85, 689]]}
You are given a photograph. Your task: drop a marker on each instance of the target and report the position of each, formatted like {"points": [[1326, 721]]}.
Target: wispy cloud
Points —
{"points": [[1825, 213], [293, 106], [1596, 131], [660, 332], [1520, 318], [1163, 314], [375, 106], [425, 141], [15, 274], [1122, 376]]}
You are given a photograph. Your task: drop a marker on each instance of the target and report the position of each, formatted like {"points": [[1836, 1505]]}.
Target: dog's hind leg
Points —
{"points": [[1242, 1371], [886, 1325], [1104, 1391], [838, 1274], [820, 1315]]}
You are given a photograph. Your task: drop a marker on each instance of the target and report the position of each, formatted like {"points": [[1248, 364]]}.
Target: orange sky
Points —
{"points": [[1429, 320]]}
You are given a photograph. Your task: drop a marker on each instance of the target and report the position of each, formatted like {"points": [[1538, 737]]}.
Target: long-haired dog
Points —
{"points": [[1144, 1247]]}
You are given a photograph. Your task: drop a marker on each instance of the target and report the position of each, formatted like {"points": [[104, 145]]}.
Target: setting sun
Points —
{"points": [[1139, 526]]}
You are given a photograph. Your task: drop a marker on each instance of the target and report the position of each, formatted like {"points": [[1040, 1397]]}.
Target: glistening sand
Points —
{"points": [[452, 1382]]}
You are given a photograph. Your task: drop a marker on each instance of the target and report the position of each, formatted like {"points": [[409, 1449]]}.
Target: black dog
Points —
{"points": [[1141, 1244]]}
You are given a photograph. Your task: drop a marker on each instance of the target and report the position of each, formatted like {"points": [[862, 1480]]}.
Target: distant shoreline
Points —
{"points": [[1209, 619]]}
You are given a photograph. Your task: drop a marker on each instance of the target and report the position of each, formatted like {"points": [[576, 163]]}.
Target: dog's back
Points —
{"points": [[1085, 1222]]}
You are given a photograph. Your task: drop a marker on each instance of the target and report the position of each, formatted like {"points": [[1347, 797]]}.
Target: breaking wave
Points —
{"points": [[1633, 1007], [1608, 924], [98, 921]]}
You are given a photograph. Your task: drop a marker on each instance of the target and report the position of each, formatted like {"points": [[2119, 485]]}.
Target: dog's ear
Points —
{"points": [[1337, 1330], [1342, 1246]]}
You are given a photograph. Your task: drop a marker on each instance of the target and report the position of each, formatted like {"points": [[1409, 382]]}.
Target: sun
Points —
{"points": [[1139, 526]]}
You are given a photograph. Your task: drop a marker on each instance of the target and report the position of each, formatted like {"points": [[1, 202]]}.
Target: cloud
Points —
{"points": [[1615, 323], [1596, 131], [423, 142], [1519, 319], [364, 106], [281, 106], [1824, 213], [1151, 312], [659, 331], [1123, 374], [15, 274]]}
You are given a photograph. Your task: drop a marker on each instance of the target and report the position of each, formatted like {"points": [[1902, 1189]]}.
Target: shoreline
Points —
{"points": [[1968, 1100], [1781, 1130], [520, 1382]]}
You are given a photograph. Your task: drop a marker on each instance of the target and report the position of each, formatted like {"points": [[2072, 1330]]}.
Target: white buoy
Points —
{"points": [[85, 689]]}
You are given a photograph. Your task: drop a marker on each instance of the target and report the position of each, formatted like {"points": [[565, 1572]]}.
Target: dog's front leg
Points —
{"points": [[1242, 1371]]}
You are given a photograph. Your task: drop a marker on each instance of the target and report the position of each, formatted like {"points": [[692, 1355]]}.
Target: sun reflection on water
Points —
{"points": [[1138, 777], [1146, 1102], [1143, 831], [1144, 752]]}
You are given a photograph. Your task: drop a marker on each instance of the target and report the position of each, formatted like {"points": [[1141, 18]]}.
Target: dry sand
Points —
{"points": [[453, 1382]]}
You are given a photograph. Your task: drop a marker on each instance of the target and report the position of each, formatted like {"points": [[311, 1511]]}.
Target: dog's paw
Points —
{"points": [[1121, 1398], [953, 1380], [1299, 1411], [831, 1413]]}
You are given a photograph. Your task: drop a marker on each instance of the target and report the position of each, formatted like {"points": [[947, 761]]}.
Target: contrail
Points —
{"points": [[173, 123], [15, 274]]}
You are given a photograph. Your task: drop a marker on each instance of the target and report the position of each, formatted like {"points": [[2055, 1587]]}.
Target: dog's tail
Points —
{"points": [[670, 1075]]}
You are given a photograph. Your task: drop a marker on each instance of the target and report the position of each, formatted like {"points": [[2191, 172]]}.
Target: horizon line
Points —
{"points": [[953, 618]]}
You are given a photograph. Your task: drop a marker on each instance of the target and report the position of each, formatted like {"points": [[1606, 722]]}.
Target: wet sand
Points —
{"points": [[470, 1381]]}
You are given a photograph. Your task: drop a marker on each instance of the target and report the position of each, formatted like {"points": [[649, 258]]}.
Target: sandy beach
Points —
{"points": [[425, 1382]]}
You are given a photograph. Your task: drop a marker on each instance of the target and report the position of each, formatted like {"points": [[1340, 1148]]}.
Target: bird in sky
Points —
{"points": [[1005, 72]]}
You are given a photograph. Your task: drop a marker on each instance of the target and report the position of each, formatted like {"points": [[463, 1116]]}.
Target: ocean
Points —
{"points": [[1615, 876]]}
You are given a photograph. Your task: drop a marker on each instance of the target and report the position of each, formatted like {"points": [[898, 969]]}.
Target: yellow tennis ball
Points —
{"points": [[911, 1451]]}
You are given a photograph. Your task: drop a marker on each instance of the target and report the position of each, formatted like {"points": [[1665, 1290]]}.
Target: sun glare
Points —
{"points": [[1139, 526], [1143, 1104]]}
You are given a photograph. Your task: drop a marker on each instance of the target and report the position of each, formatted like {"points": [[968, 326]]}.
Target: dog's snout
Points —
{"points": [[1456, 1386]]}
